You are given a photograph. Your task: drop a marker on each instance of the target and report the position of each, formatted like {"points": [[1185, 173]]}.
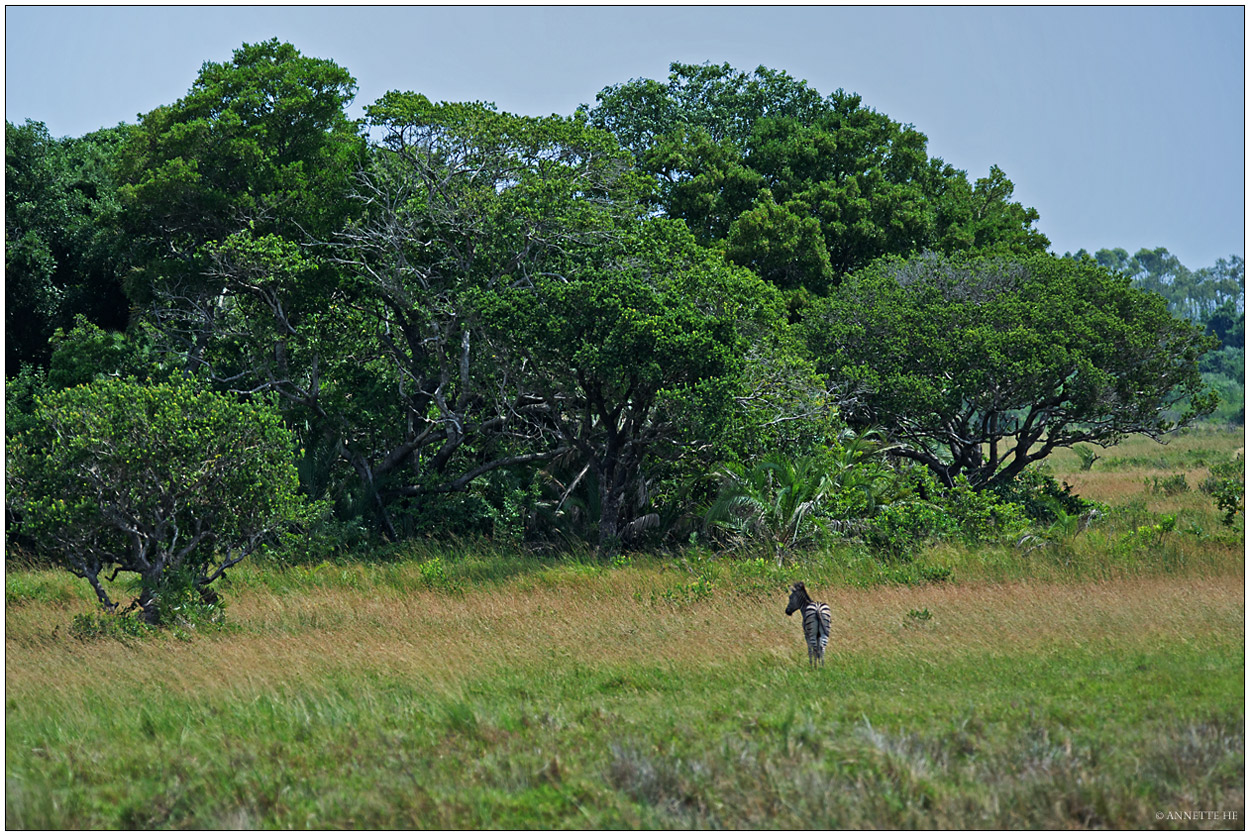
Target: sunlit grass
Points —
{"points": [[568, 700]]}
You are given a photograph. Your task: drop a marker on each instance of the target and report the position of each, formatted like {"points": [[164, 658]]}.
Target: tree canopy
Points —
{"points": [[260, 143], [804, 188], [980, 366], [619, 353], [465, 316]]}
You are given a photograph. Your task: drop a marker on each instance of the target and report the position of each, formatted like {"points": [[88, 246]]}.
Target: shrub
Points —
{"points": [[899, 531], [1227, 486], [165, 481], [774, 503], [1041, 498], [1168, 485]]}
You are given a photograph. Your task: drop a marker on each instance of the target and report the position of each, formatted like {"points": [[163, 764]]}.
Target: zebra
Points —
{"points": [[816, 619]]}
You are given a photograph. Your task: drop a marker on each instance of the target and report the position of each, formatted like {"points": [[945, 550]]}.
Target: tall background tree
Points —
{"points": [[261, 144], [64, 255], [223, 193], [1214, 297], [623, 354], [803, 188], [1193, 294]]}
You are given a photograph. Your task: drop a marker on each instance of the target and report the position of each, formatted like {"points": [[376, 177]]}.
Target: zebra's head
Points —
{"points": [[798, 598]]}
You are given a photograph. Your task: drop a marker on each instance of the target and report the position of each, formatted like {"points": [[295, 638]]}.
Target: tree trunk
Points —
{"points": [[610, 497], [149, 604]]}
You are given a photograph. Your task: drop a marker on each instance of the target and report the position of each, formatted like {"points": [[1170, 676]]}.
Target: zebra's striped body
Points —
{"points": [[816, 622]]}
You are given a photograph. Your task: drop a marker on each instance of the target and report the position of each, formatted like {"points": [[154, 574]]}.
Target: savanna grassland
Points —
{"points": [[1090, 678]]}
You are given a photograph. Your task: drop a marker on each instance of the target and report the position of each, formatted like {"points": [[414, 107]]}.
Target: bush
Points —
{"points": [[774, 504], [164, 481], [1227, 486], [899, 531], [1040, 497]]}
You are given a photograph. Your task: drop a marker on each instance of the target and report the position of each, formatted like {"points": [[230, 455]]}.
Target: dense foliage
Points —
{"points": [[800, 187], [164, 481], [698, 294], [260, 144], [63, 253], [622, 356], [982, 366]]}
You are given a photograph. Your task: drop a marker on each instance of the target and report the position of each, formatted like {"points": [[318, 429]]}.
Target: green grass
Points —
{"points": [[1093, 681], [1021, 705]]}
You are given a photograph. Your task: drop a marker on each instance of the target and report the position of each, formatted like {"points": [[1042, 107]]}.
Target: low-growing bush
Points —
{"points": [[957, 513], [1227, 486], [1087, 456], [1167, 485], [1041, 497], [898, 531], [169, 483], [105, 624], [185, 610]]}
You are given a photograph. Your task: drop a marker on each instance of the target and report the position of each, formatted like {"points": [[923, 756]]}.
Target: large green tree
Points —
{"points": [[980, 366], [261, 144], [388, 367], [224, 193], [634, 361], [803, 188]]}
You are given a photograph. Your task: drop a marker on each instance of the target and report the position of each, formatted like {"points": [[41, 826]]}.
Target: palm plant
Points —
{"points": [[775, 501], [860, 481]]}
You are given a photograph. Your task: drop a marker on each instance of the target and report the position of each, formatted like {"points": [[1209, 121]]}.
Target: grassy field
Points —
{"points": [[1098, 682]]}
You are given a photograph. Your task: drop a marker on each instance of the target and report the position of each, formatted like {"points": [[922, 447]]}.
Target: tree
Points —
{"points": [[1228, 325], [166, 481], [223, 192], [803, 187], [634, 361], [260, 144], [463, 200], [983, 365], [1194, 294], [64, 255], [388, 365], [722, 102]]}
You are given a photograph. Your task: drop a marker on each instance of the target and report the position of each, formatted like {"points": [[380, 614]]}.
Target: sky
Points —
{"points": [[1123, 126]]}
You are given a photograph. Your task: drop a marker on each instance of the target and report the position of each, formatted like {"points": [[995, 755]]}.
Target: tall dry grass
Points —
{"points": [[580, 700], [445, 638]]}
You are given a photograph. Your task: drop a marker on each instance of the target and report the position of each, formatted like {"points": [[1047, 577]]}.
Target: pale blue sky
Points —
{"points": [[1122, 126]]}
